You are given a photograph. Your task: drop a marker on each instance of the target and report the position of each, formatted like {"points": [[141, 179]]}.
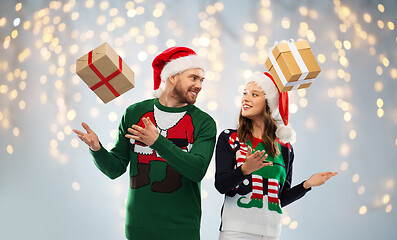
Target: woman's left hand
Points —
{"points": [[147, 135], [318, 179]]}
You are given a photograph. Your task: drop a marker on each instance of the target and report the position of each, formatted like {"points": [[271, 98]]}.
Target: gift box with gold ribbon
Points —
{"points": [[292, 65], [105, 73]]}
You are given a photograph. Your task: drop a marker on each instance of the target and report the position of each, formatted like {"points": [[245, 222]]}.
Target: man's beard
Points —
{"points": [[182, 95]]}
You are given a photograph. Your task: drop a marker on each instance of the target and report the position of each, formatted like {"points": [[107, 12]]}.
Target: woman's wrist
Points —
{"points": [[244, 171], [305, 185]]}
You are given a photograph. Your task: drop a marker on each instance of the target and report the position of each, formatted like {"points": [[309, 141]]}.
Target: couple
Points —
{"points": [[168, 144]]}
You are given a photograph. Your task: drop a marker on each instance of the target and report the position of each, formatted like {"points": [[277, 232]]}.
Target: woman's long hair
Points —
{"points": [[244, 131]]}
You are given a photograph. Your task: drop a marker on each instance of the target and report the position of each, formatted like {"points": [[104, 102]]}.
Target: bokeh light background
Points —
{"points": [[346, 121]]}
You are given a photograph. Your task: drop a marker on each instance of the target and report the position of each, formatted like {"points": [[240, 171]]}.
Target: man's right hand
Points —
{"points": [[89, 138]]}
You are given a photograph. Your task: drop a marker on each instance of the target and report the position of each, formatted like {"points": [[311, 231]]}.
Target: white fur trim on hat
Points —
{"points": [[157, 93], [268, 87], [285, 133], [180, 65]]}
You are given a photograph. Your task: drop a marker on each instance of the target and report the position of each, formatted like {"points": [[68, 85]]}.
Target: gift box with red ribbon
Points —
{"points": [[105, 73]]}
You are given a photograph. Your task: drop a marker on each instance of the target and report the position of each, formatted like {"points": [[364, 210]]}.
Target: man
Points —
{"points": [[168, 143]]}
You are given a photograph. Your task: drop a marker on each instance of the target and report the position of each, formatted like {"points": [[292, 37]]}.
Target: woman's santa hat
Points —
{"points": [[275, 99], [173, 61]]}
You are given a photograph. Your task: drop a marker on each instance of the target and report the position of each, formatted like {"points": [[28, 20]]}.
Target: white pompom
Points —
{"points": [[157, 93], [285, 133]]}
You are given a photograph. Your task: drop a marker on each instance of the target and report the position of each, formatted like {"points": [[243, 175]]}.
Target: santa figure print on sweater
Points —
{"points": [[176, 127]]}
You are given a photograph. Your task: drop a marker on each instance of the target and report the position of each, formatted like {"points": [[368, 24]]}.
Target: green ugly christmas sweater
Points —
{"points": [[164, 199]]}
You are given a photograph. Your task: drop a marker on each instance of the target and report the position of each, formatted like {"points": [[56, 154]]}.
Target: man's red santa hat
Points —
{"points": [[278, 103], [173, 61]]}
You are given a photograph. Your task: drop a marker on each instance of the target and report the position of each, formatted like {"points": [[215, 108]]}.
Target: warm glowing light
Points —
{"points": [[74, 143], [212, 106], [112, 116], [71, 115], [390, 182], [321, 58], [386, 62], [43, 98], [218, 6], [140, 10], [104, 5], [361, 190], [355, 178], [378, 86], [13, 94], [285, 23], [343, 61], [303, 102], [310, 123], [381, 24], [303, 11], [18, 7], [142, 56], [14, 34], [170, 43], [58, 84], [367, 17], [363, 210], [386, 199], [60, 136], [379, 102], [249, 41], [113, 133], [390, 25], [338, 44], [341, 73], [380, 112], [293, 225], [3, 22], [381, 8], [22, 104], [89, 3], [347, 45], [75, 16], [76, 186], [15, 131], [129, 5], [293, 108], [10, 149], [388, 208], [347, 116], [344, 149], [352, 134], [286, 220]]}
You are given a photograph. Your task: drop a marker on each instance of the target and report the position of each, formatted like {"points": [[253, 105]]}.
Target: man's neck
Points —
{"points": [[166, 99]]}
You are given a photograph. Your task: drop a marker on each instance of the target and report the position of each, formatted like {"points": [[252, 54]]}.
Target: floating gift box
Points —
{"points": [[292, 65], [105, 73]]}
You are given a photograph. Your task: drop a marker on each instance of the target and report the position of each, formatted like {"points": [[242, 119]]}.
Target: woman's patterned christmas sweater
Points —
{"points": [[253, 203]]}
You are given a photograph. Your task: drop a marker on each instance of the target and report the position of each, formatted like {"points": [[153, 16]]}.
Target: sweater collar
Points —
{"points": [[171, 109]]}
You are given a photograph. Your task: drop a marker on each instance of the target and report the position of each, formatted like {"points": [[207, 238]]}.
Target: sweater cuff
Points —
{"points": [[99, 152], [240, 173], [303, 188], [158, 143]]}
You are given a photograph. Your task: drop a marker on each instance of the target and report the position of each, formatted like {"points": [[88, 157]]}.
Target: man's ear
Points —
{"points": [[173, 79]]}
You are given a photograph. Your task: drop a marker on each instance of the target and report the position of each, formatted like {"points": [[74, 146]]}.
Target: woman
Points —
{"points": [[254, 165]]}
